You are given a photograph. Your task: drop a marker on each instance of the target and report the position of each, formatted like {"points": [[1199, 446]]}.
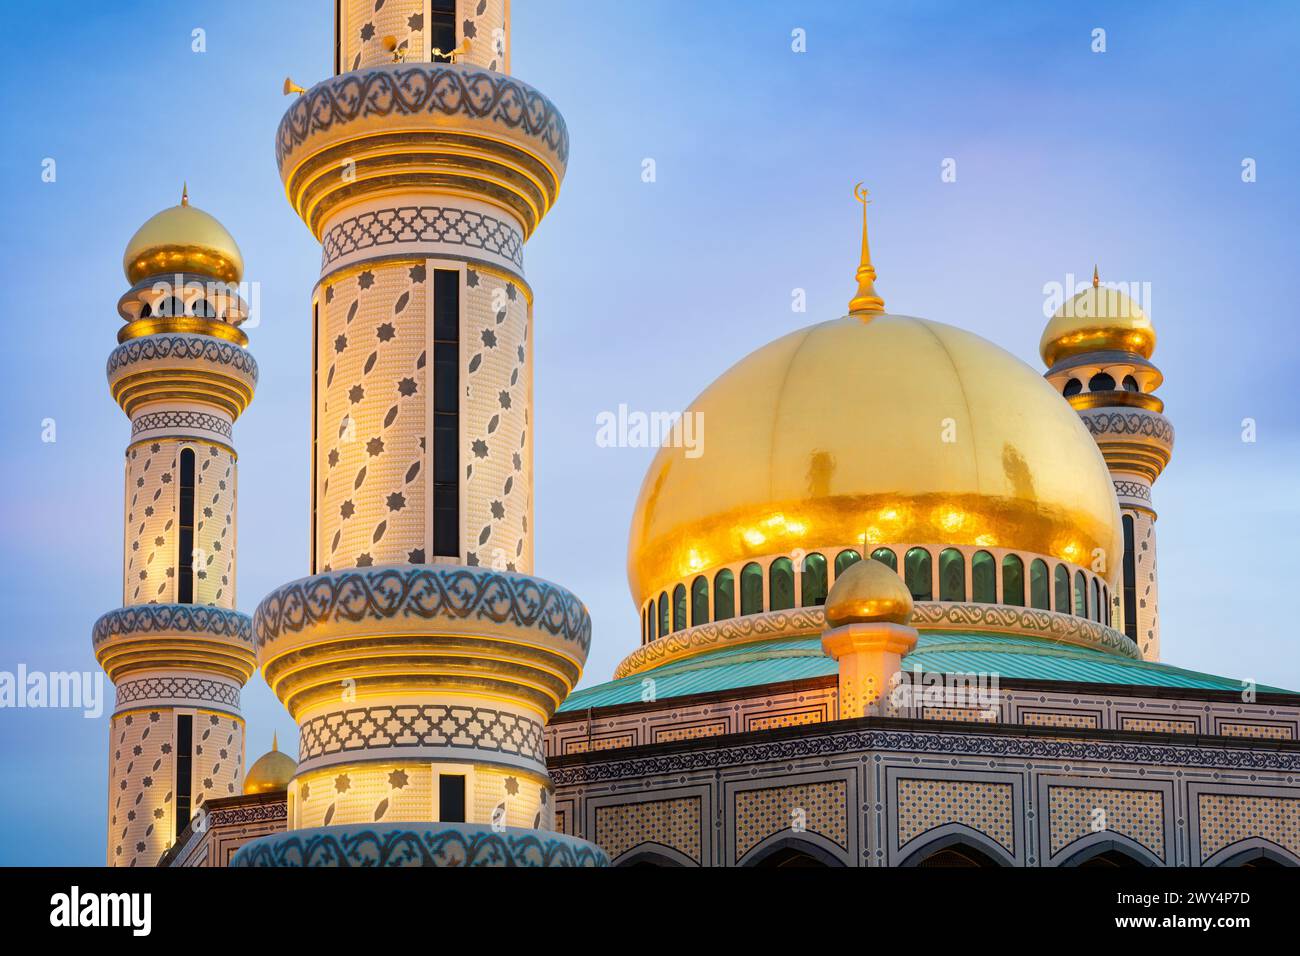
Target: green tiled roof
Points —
{"points": [[770, 662]]}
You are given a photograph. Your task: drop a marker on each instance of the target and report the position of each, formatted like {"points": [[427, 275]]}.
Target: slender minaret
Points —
{"points": [[177, 651], [420, 659], [1098, 349]]}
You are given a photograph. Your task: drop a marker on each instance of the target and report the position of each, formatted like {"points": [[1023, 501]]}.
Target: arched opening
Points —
{"points": [[185, 536], [663, 614], [1072, 387], [1080, 594], [813, 581], [751, 589], [1096, 600], [957, 856], [724, 595], [699, 601], [780, 584], [788, 849], [1101, 382], [1040, 588], [952, 575], [1131, 384], [1013, 580], [789, 857], [1110, 860], [984, 578], [1130, 580], [885, 557], [845, 560], [679, 607], [918, 573]]}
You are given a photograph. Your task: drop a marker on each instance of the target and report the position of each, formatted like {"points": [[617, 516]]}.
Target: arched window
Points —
{"points": [[169, 307], [1131, 384], [679, 607], [1080, 595], [203, 309], [780, 585], [845, 560], [885, 556], [952, 575], [984, 578], [751, 589], [1129, 593], [1096, 600], [1072, 387], [1105, 605], [724, 595], [1062, 574], [918, 574], [1040, 588], [644, 617], [1013, 580], [1101, 382], [700, 601], [663, 614], [813, 584], [146, 310], [185, 537]]}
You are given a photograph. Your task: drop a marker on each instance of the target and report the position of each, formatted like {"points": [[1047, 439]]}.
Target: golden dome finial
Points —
{"points": [[275, 740], [866, 301], [1096, 279], [185, 194]]}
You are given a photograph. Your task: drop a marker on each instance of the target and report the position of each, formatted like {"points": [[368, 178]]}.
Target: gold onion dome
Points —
{"points": [[1098, 319], [183, 239], [271, 771], [868, 592], [893, 428]]}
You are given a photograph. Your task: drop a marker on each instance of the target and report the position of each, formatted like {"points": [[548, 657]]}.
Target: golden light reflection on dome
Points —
{"points": [[183, 239], [1098, 319], [899, 429], [866, 593], [271, 771]]}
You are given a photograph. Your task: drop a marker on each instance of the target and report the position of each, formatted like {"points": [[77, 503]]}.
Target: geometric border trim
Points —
{"points": [[200, 619]]}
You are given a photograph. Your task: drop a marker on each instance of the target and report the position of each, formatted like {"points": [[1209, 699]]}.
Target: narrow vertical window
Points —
{"points": [[184, 770], [185, 531], [1040, 589], [813, 585], [1013, 580], [446, 413], [845, 560], [780, 585], [952, 575], [1096, 600], [679, 607], [885, 557], [724, 595], [918, 572], [751, 589], [1062, 575], [700, 601], [315, 364], [663, 614], [1130, 581], [984, 578], [1080, 594], [451, 798], [442, 27]]}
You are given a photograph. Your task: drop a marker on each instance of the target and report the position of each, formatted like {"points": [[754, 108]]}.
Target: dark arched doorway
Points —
{"points": [[789, 857], [1111, 859], [957, 855]]}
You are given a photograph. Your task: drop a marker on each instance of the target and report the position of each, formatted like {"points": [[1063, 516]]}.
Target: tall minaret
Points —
{"points": [[1098, 349], [421, 659], [177, 650]]}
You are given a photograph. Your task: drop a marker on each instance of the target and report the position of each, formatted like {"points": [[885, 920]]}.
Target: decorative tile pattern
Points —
{"points": [[1256, 731], [820, 808], [385, 230], [141, 799], [925, 804], [695, 732], [1078, 811], [178, 688], [1051, 719], [797, 718], [587, 745], [421, 725], [166, 618], [966, 715], [183, 420], [1159, 725], [1228, 818], [672, 823]]}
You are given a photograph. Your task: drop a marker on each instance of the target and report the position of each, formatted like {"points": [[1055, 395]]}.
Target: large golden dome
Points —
{"points": [[186, 240], [1098, 319], [271, 771], [886, 426]]}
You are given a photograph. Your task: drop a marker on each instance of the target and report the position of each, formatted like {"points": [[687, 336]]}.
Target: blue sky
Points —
{"points": [[645, 292]]}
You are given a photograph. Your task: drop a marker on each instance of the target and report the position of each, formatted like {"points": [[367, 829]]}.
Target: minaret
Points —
{"points": [[177, 651], [421, 659], [1098, 349]]}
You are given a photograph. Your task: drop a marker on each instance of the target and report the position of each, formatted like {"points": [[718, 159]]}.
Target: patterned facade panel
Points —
{"points": [[176, 689], [218, 757], [674, 823], [371, 455], [582, 745], [690, 732], [1257, 730], [762, 812], [388, 227], [1046, 718], [1226, 819], [363, 26], [363, 793], [472, 730], [965, 715], [1159, 725], [1077, 811], [1148, 611], [496, 424], [925, 804]]}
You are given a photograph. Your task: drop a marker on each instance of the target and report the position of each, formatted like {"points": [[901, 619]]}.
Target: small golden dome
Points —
{"points": [[271, 771], [1098, 319], [183, 239], [868, 592]]}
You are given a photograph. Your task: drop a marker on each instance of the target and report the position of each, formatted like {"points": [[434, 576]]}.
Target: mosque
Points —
{"points": [[902, 612]]}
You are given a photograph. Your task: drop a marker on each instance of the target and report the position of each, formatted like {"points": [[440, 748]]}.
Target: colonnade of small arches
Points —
{"points": [[784, 583]]}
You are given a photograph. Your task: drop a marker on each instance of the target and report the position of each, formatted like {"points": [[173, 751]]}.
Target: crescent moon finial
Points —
{"points": [[860, 194]]}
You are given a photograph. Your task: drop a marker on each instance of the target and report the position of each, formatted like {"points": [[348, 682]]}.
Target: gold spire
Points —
{"points": [[185, 194], [866, 301], [275, 740], [1096, 279]]}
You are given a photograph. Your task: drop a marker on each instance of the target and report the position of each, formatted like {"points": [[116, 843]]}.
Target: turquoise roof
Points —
{"points": [[771, 662]]}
